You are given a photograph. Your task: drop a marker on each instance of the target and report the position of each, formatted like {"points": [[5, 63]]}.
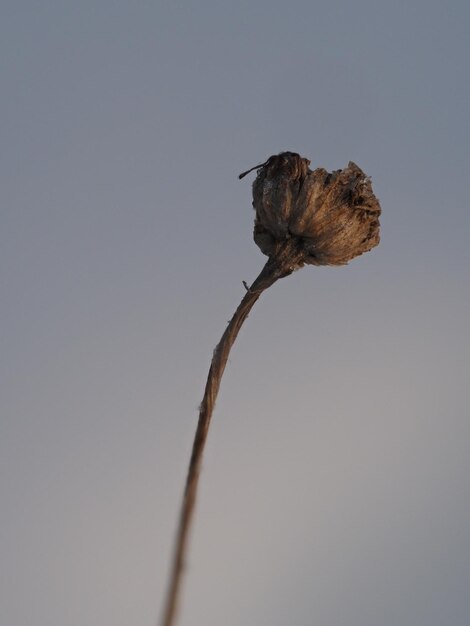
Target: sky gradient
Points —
{"points": [[335, 482]]}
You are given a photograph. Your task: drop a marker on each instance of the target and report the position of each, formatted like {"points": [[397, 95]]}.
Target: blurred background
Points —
{"points": [[335, 481]]}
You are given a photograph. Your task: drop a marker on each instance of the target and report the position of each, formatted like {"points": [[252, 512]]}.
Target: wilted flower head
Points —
{"points": [[329, 217]]}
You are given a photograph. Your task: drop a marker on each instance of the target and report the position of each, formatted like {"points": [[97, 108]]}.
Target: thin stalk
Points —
{"points": [[282, 264]]}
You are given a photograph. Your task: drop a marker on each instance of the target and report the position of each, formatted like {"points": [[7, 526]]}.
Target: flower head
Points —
{"points": [[329, 218]]}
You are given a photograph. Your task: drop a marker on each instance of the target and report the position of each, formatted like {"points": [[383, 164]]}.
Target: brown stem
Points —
{"points": [[282, 264]]}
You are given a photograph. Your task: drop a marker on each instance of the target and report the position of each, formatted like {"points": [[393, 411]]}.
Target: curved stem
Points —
{"points": [[276, 267]]}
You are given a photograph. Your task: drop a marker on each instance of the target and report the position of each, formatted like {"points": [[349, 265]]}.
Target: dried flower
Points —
{"points": [[330, 218], [301, 217]]}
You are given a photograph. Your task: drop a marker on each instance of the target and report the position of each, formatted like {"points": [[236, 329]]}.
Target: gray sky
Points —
{"points": [[335, 483]]}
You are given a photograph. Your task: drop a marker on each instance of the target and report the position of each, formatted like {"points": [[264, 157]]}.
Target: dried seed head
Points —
{"points": [[329, 218]]}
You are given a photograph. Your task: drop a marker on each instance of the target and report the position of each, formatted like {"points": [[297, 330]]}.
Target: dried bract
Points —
{"points": [[329, 218]]}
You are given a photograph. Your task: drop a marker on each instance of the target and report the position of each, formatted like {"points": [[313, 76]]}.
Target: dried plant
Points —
{"points": [[302, 217]]}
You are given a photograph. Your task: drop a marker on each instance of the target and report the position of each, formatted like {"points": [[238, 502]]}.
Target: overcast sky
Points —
{"points": [[335, 486]]}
